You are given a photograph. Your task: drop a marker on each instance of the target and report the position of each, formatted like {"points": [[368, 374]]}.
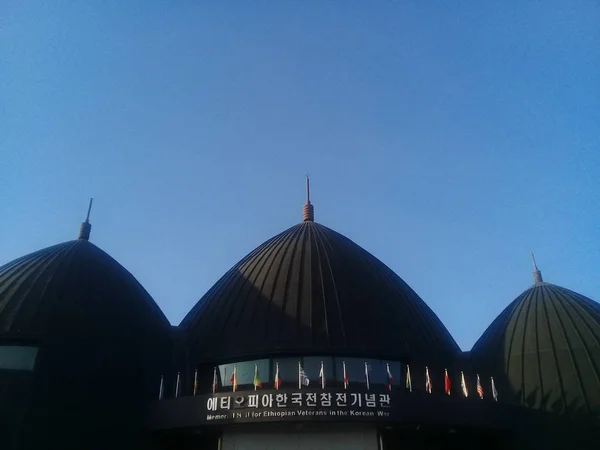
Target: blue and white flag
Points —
{"points": [[302, 378]]}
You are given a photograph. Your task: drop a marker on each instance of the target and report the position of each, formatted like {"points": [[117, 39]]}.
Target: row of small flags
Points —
{"points": [[303, 380]]}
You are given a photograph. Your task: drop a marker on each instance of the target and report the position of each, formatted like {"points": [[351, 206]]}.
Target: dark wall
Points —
{"points": [[85, 395]]}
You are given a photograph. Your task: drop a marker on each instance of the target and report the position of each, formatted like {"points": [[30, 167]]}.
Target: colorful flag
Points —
{"points": [[427, 380], [408, 380], [447, 383], [322, 376], [214, 386], [233, 379], [494, 391], [257, 383], [302, 378], [367, 375], [277, 380], [463, 384], [479, 388], [195, 381], [177, 384], [389, 375], [345, 375], [161, 388]]}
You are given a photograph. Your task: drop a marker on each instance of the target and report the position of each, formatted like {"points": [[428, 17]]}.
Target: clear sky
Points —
{"points": [[446, 138]]}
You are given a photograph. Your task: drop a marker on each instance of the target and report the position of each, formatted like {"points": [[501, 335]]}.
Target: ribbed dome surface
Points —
{"points": [[312, 290], [544, 350], [35, 292], [101, 339]]}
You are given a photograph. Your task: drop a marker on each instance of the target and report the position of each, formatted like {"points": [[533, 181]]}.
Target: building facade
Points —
{"points": [[309, 342]]}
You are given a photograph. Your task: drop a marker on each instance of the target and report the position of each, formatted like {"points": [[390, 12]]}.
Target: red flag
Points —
{"points": [[446, 382]]}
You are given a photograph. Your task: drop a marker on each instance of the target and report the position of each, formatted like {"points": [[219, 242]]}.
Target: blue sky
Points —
{"points": [[447, 138]]}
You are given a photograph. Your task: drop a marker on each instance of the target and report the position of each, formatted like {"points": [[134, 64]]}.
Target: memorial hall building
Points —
{"points": [[308, 342]]}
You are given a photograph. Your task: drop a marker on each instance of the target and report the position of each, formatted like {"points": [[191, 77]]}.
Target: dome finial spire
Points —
{"points": [[86, 227], [537, 275], [308, 211]]}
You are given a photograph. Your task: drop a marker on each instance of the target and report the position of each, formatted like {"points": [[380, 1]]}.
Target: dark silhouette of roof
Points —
{"points": [[35, 292], [310, 290], [544, 350], [103, 344]]}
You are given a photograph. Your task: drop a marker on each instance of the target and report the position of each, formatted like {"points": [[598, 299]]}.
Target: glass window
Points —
{"points": [[377, 371], [245, 372], [355, 369], [17, 357], [288, 370], [312, 367], [396, 370]]}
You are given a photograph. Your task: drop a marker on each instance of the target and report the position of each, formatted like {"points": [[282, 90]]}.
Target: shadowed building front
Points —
{"points": [[81, 347]]}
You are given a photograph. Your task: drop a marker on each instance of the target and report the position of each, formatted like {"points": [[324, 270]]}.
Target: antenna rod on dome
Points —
{"points": [[537, 275], [87, 218], [86, 227], [308, 211]]}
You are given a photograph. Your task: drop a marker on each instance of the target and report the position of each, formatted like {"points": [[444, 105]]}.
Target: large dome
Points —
{"points": [[544, 349], [85, 345], [310, 290]]}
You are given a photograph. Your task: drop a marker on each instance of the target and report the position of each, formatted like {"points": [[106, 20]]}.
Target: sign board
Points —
{"points": [[300, 404], [324, 405]]}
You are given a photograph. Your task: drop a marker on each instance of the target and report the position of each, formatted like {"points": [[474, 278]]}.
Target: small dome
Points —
{"points": [[101, 343], [310, 290], [544, 350]]}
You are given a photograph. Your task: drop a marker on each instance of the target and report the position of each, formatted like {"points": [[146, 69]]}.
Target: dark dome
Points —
{"points": [[544, 350], [101, 339], [310, 290]]}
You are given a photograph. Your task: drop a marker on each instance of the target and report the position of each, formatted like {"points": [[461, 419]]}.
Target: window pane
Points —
{"points": [[244, 372], [288, 371], [355, 369], [312, 367], [396, 369], [17, 357], [377, 371]]}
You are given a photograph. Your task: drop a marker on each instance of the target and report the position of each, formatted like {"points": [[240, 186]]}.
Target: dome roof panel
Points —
{"points": [[310, 289], [544, 349], [38, 291]]}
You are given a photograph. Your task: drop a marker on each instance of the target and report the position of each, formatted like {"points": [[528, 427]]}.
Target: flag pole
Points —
{"points": [[177, 385], [214, 386], [234, 376], [161, 387], [195, 381], [367, 376], [299, 376], [345, 376], [322, 376]]}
